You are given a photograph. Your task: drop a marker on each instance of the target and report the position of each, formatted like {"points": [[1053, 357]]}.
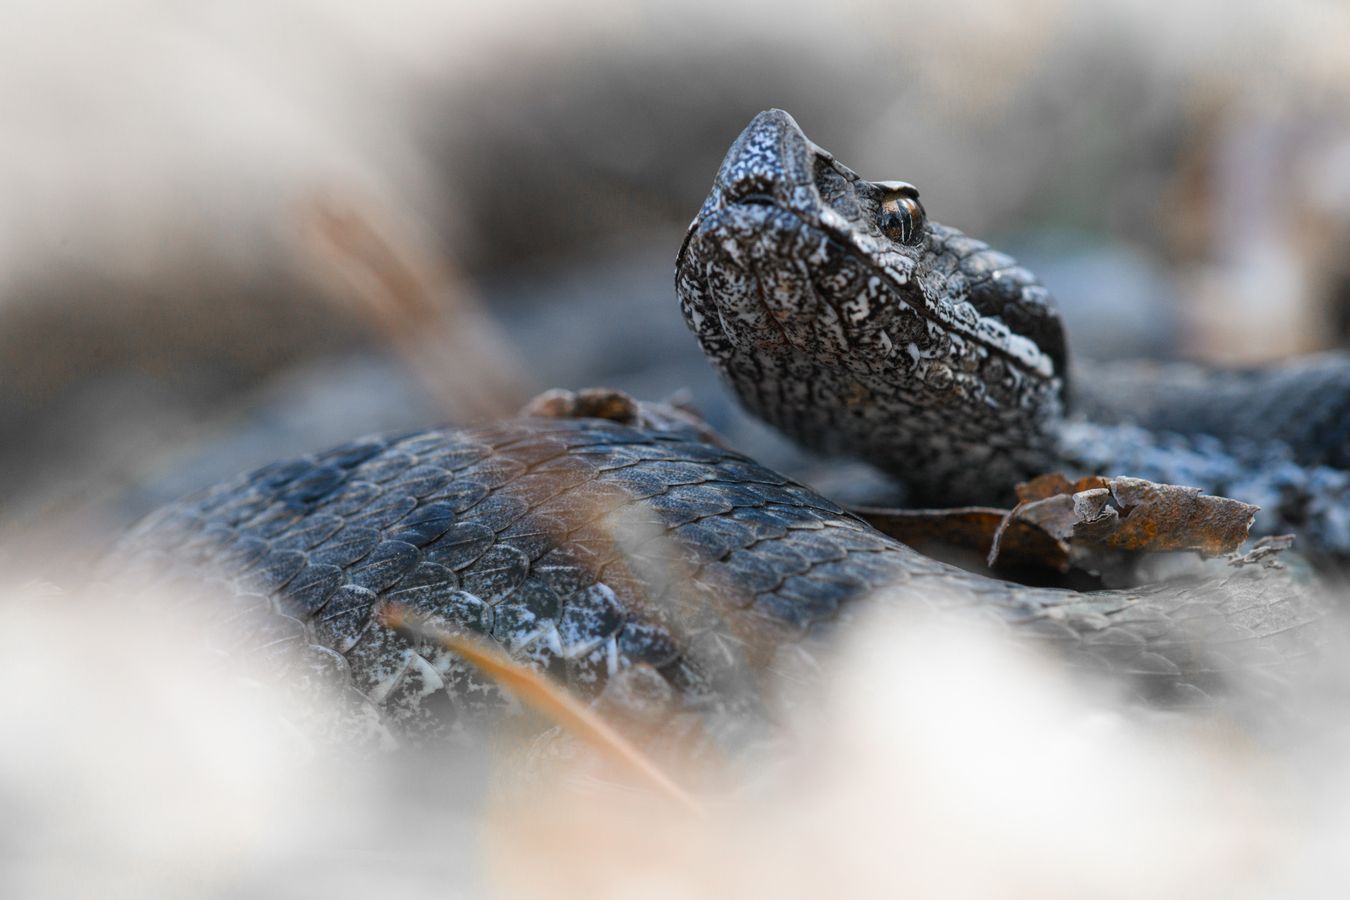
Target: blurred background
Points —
{"points": [[236, 232]]}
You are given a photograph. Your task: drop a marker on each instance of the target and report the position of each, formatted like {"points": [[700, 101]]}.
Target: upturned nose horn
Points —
{"points": [[771, 157], [774, 121]]}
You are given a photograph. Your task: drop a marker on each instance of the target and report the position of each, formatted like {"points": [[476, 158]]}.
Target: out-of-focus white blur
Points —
{"points": [[941, 763], [947, 764]]}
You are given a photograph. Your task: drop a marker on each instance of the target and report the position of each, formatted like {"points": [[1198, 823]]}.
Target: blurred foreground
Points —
{"points": [[938, 764]]}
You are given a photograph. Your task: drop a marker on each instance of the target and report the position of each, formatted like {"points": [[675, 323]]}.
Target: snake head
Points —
{"points": [[815, 290]]}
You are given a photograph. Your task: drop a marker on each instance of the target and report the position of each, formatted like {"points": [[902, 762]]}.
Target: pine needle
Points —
{"points": [[424, 309], [550, 700]]}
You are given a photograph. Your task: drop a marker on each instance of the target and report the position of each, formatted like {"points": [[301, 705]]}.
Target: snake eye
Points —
{"points": [[903, 218]]}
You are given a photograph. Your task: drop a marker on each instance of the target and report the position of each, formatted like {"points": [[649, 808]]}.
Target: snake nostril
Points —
{"points": [[748, 183]]}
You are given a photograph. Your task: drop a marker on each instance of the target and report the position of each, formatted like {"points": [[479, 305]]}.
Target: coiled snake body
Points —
{"points": [[647, 566]]}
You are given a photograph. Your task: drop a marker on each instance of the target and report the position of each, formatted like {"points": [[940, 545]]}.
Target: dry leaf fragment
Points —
{"points": [[1053, 484], [969, 528], [1266, 551], [615, 405], [1060, 522], [1128, 514], [1159, 517]]}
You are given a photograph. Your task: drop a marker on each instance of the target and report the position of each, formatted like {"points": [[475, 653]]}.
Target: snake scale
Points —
{"points": [[660, 573]]}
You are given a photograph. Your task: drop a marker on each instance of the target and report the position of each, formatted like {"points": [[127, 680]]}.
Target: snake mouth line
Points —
{"points": [[905, 293]]}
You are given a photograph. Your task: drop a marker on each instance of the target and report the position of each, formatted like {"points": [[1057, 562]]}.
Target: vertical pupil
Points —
{"points": [[899, 222], [906, 222]]}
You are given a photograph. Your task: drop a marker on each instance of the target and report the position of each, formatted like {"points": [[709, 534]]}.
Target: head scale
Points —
{"points": [[840, 314]]}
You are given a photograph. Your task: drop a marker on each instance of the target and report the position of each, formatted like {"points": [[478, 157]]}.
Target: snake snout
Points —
{"points": [[769, 163]]}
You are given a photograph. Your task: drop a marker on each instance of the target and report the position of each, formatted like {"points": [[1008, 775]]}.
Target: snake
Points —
{"points": [[652, 571], [838, 313]]}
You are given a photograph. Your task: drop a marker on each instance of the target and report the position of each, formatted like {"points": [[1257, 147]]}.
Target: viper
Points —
{"points": [[648, 568], [839, 313]]}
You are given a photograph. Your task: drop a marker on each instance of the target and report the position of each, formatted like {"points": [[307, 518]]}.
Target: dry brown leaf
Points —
{"points": [[1058, 521], [1128, 514]]}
